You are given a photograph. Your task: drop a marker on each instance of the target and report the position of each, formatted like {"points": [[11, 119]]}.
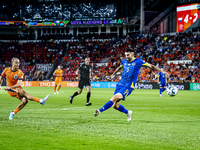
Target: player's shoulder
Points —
{"points": [[82, 65], [19, 71], [7, 69], [139, 60], [123, 61]]}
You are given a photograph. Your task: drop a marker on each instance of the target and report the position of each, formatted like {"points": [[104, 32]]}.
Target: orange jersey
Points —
{"points": [[12, 76], [58, 72]]}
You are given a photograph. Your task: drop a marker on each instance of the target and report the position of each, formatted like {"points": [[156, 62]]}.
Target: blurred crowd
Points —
{"points": [[106, 55], [33, 52], [155, 49]]}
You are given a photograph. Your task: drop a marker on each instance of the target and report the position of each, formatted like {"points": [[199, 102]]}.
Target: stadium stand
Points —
{"points": [[156, 50], [107, 55]]}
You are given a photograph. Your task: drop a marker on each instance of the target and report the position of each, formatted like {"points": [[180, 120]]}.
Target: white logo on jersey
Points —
{"points": [[133, 64]]}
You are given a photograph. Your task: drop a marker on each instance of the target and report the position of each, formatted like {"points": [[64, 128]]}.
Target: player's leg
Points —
{"points": [[121, 108], [114, 99], [164, 87], [24, 101], [161, 89], [75, 94], [117, 96], [59, 86], [55, 88], [81, 84], [23, 93], [88, 95], [120, 94]]}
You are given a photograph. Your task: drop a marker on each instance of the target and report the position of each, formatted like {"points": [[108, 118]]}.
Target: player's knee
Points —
{"points": [[24, 101], [115, 106], [88, 90], [116, 97], [80, 91], [21, 92]]}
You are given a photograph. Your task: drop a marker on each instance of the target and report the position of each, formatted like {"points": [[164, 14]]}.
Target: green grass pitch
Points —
{"points": [[158, 123]]}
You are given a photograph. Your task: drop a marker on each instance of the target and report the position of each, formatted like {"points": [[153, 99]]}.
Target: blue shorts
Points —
{"points": [[125, 91], [162, 84]]}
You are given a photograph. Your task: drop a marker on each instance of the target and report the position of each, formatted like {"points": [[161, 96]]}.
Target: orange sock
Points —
{"points": [[16, 111], [37, 99], [58, 88], [54, 89]]}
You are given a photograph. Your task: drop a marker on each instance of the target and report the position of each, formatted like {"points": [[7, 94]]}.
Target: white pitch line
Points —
{"points": [[86, 108]]}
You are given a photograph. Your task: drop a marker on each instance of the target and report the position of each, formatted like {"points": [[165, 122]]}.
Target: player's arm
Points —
{"points": [[77, 73], [56, 75], [90, 74], [2, 76], [166, 79], [158, 79], [155, 68], [1, 80], [116, 71], [19, 84]]}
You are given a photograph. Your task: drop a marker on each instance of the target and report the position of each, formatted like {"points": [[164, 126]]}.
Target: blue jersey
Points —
{"points": [[161, 77], [131, 71]]}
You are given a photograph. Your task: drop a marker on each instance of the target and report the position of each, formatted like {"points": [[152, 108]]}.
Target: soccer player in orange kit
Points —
{"points": [[14, 77], [58, 73]]}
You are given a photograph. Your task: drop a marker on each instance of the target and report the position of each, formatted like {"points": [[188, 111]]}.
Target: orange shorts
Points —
{"points": [[58, 81], [14, 92]]}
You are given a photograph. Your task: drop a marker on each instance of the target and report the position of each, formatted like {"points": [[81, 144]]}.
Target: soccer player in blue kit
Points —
{"points": [[131, 67], [162, 81]]}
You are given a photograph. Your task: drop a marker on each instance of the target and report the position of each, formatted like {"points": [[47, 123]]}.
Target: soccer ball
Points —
{"points": [[172, 90]]}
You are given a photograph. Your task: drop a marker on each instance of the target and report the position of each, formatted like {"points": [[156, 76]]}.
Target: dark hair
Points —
{"points": [[129, 50], [13, 59]]}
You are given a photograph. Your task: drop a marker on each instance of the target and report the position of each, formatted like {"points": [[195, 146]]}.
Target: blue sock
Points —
{"points": [[106, 106], [122, 109], [161, 90]]}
